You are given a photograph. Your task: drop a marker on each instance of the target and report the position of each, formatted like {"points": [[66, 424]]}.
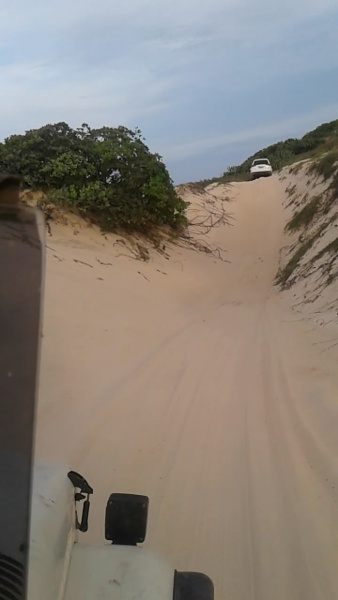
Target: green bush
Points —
{"points": [[107, 174], [303, 217], [284, 274], [327, 165]]}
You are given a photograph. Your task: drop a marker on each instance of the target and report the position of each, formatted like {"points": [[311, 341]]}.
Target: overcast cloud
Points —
{"points": [[207, 82]]}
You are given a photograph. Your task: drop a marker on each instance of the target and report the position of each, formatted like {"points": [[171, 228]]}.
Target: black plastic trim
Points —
{"points": [[192, 586]]}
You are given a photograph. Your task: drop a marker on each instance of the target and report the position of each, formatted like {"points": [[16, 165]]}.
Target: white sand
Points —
{"points": [[202, 389]]}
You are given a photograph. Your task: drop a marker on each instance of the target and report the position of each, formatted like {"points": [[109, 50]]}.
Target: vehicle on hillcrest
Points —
{"points": [[261, 167]]}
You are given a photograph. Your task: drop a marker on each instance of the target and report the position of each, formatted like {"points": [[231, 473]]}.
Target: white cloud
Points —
{"points": [[181, 18], [35, 93]]}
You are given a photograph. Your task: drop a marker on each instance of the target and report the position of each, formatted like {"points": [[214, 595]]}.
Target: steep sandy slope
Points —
{"points": [[309, 258], [189, 379]]}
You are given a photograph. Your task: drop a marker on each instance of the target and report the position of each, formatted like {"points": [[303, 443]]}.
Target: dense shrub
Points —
{"points": [[108, 174]]}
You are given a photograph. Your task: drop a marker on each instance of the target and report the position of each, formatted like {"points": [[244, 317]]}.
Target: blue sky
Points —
{"points": [[208, 82]]}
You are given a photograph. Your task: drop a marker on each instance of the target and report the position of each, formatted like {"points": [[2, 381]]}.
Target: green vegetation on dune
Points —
{"points": [[317, 209], [305, 216], [283, 277], [108, 175], [285, 273], [312, 145], [330, 266], [227, 177], [326, 166]]}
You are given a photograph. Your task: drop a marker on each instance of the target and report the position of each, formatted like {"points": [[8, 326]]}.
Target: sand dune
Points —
{"points": [[189, 378]]}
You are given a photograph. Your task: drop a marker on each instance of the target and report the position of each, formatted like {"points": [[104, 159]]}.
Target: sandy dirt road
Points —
{"points": [[203, 390]]}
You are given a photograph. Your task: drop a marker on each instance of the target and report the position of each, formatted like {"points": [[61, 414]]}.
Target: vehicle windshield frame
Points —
{"points": [[261, 161]]}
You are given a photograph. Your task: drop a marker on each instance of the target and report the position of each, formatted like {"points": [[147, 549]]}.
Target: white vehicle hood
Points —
{"points": [[118, 573]]}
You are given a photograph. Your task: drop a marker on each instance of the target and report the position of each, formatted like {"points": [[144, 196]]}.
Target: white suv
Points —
{"points": [[260, 167]]}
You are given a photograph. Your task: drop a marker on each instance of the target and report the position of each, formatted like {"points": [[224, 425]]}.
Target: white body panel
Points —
{"points": [[52, 532], [118, 573], [60, 569]]}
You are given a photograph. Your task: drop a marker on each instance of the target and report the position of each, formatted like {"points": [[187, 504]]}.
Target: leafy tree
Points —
{"points": [[107, 173]]}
